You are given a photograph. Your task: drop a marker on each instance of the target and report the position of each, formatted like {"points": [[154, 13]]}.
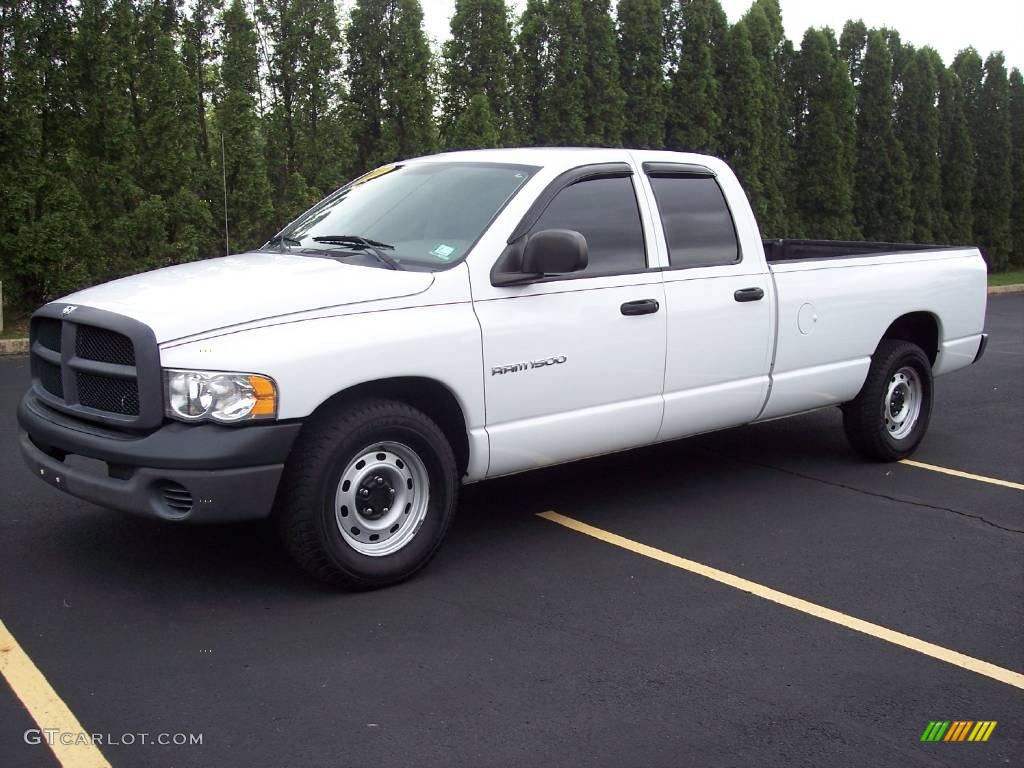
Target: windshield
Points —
{"points": [[425, 215]]}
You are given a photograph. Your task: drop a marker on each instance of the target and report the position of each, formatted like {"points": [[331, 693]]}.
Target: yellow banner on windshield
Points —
{"points": [[384, 169]]}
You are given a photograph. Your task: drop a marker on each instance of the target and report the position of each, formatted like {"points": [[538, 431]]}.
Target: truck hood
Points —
{"points": [[201, 296]]}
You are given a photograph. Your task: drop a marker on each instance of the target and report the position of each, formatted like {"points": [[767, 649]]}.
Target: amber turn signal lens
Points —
{"points": [[266, 396]]}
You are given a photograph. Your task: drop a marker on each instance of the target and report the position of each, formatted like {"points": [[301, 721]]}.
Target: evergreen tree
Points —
{"points": [[563, 119], [477, 60], [694, 111], [565, 93], [249, 209], [530, 72], [324, 147], [852, 43], [475, 127], [743, 113], [901, 54], [1017, 129], [917, 127], [823, 141], [39, 204], [604, 101], [970, 71], [174, 216], [389, 71], [308, 149], [198, 50], [671, 18], [280, 19], [957, 162], [882, 201], [642, 78], [993, 185], [104, 160], [769, 48]]}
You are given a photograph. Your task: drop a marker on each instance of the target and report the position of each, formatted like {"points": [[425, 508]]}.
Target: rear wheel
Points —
{"points": [[368, 494], [889, 417]]}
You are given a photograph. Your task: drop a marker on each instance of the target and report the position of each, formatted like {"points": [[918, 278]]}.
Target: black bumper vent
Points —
{"points": [[176, 496]]}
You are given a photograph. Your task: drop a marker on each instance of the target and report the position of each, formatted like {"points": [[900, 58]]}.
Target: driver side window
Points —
{"points": [[605, 211]]}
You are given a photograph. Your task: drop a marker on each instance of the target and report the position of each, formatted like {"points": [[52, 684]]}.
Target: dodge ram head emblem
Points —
{"points": [[501, 370], [69, 309]]}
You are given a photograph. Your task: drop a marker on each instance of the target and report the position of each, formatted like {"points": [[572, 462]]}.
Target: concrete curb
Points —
{"points": [[20, 346], [13, 346], [995, 290]]}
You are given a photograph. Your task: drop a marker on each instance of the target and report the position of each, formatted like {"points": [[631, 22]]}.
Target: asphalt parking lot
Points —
{"points": [[527, 643]]}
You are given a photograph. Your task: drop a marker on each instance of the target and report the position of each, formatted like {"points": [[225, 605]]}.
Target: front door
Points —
{"points": [[574, 366]]}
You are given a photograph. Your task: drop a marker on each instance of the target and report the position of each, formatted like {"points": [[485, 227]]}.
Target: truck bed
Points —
{"points": [[806, 250]]}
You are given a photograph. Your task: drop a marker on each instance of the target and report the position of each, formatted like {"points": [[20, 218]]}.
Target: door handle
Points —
{"points": [[749, 294], [642, 307]]}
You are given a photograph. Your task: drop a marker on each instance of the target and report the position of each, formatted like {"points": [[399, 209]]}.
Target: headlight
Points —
{"points": [[218, 396]]}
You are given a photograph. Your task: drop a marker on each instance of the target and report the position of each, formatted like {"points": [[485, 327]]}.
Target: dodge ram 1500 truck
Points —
{"points": [[468, 315]]}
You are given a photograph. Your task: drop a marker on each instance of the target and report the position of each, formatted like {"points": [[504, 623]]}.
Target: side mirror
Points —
{"points": [[548, 252], [555, 252]]}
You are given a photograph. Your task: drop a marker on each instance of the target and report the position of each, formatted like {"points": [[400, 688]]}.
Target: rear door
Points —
{"points": [[719, 301], [573, 365]]}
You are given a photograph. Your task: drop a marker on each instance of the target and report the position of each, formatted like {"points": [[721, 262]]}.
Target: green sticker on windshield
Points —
{"points": [[442, 251]]}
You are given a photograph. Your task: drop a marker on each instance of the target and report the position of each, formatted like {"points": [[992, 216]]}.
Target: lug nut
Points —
{"points": [[364, 492], [379, 480], [386, 510], [369, 510]]}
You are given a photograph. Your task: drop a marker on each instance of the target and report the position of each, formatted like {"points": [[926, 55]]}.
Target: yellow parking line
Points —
{"points": [[45, 706], [967, 475], [955, 658]]}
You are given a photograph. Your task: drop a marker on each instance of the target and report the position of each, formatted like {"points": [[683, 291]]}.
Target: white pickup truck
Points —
{"points": [[463, 316]]}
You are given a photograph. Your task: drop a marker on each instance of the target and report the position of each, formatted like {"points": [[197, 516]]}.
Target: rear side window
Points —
{"points": [[697, 222], [605, 211]]}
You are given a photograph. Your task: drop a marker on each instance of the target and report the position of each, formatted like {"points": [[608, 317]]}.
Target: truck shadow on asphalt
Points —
{"points": [[120, 551]]}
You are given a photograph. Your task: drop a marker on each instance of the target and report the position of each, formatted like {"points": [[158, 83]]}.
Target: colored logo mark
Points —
{"points": [[958, 730]]}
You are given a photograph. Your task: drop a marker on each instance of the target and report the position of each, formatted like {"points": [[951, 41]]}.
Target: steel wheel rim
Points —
{"points": [[901, 408], [382, 498]]}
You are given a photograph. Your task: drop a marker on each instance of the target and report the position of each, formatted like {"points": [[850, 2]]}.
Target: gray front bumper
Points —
{"points": [[192, 473], [215, 496]]}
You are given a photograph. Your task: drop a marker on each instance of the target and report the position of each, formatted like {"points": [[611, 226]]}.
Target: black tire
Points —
{"points": [[305, 505], [864, 418]]}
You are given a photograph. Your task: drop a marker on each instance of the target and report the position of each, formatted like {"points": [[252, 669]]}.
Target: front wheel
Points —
{"points": [[368, 494], [889, 417]]}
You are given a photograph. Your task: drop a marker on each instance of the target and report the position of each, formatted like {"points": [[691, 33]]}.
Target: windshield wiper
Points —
{"points": [[355, 241], [284, 241]]}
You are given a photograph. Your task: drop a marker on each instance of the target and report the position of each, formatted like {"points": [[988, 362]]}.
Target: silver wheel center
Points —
{"points": [[902, 406], [382, 499]]}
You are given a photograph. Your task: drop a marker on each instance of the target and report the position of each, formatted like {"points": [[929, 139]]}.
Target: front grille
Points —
{"points": [[176, 497], [47, 332], [97, 365], [105, 393], [50, 378], [104, 346]]}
